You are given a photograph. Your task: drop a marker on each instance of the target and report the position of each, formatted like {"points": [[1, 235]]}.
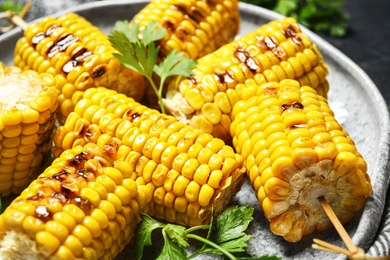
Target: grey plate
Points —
{"points": [[355, 99]]}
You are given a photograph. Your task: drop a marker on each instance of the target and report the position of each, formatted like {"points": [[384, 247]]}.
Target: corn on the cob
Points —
{"points": [[28, 102], [188, 171], [86, 205], [79, 55], [194, 27], [295, 152], [275, 51]]}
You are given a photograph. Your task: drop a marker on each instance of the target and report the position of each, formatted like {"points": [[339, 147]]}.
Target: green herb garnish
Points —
{"points": [[318, 15], [140, 54], [224, 237], [11, 5]]}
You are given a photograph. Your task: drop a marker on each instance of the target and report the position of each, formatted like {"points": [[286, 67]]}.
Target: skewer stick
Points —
{"points": [[16, 19], [322, 245], [339, 227]]}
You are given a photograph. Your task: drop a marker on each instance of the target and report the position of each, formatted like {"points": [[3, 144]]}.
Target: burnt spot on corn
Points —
{"points": [[42, 212], [224, 76], [98, 71], [61, 44], [62, 175], [79, 160], [193, 80], [111, 149], [131, 115], [297, 126], [270, 44], [83, 203], [59, 196], [193, 13], [292, 33], [78, 57], [293, 104], [244, 57]]}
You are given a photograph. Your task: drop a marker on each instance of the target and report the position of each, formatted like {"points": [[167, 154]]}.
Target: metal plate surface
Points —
{"points": [[354, 98]]}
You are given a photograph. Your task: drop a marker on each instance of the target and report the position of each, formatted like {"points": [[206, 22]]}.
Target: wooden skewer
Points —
{"points": [[339, 227], [353, 252], [16, 19], [320, 244]]}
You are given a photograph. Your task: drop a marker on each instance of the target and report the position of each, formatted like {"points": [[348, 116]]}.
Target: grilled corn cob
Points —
{"points": [[187, 171], [79, 55], [295, 152], [194, 27], [28, 102], [86, 205], [275, 51]]}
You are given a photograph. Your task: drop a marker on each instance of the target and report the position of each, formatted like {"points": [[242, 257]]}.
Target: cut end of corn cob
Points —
{"points": [[186, 171], [296, 152], [28, 102], [273, 52], [86, 205], [79, 55]]}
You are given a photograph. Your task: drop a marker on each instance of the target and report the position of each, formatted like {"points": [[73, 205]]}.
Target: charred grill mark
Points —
{"points": [[297, 126], [194, 13], [294, 104], [244, 57], [269, 44], [77, 58], [79, 160], [193, 80], [37, 38], [98, 71], [61, 44], [61, 176], [42, 212], [132, 115], [224, 77]]}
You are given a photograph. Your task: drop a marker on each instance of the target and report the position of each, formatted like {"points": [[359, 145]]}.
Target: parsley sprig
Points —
{"points": [[318, 15], [226, 236], [139, 52]]}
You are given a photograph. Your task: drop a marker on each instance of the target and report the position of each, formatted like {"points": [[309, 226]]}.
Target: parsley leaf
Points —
{"points": [[140, 53], [225, 237], [318, 15], [143, 233], [171, 250]]}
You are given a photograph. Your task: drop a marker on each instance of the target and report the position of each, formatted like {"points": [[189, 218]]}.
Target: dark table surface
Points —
{"points": [[367, 40], [366, 43]]}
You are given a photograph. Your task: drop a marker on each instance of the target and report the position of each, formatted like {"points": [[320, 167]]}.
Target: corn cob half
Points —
{"points": [[85, 205], [28, 102], [79, 55], [187, 171], [194, 27], [273, 52], [295, 152]]}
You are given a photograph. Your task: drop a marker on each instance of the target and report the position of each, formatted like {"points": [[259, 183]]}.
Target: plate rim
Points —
{"points": [[382, 162]]}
